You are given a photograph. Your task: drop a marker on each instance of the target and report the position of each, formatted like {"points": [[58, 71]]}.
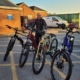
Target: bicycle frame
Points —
{"points": [[15, 36], [68, 39], [45, 38]]}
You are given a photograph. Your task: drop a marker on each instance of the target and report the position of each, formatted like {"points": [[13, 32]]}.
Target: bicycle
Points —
{"points": [[29, 43], [46, 47], [27, 47], [61, 58], [12, 40]]}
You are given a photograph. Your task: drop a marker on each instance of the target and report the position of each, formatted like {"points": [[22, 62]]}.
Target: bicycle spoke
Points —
{"points": [[38, 60], [60, 67]]}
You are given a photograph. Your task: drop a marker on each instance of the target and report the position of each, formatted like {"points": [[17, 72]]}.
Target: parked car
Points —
{"points": [[52, 20]]}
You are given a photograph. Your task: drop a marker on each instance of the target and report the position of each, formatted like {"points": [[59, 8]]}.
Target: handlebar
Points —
{"points": [[76, 32], [12, 28], [69, 29], [16, 29], [38, 31]]}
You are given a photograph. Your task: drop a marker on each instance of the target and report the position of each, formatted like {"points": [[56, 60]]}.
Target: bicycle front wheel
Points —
{"points": [[38, 61], [9, 48], [61, 66], [24, 56]]}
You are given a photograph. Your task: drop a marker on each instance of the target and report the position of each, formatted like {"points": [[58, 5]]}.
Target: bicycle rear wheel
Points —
{"points": [[61, 66], [38, 61], [53, 47], [9, 48]]}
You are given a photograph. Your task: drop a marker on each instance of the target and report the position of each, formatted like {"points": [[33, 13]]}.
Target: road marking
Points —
{"points": [[7, 45], [27, 64], [5, 65], [2, 52], [73, 50], [13, 67], [18, 64], [60, 73], [76, 56], [16, 52], [76, 50], [4, 41], [61, 40], [75, 62], [20, 52]]}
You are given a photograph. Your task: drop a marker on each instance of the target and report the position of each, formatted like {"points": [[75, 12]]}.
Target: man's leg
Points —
{"points": [[37, 38]]}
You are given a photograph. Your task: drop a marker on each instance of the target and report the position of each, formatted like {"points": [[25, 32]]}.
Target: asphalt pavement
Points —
{"points": [[10, 70]]}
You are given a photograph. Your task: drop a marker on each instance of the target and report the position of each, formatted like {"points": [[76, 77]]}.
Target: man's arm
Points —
{"points": [[34, 23], [45, 25]]}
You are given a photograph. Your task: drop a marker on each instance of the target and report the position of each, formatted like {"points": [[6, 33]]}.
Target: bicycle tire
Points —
{"points": [[51, 54], [68, 60], [21, 64], [9, 48], [43, 62]]}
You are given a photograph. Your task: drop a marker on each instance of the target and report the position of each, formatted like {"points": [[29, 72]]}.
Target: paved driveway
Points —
{"points": [[9, 70]]}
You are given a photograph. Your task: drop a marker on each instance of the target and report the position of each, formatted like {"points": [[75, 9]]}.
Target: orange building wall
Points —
{"points": [[15, 22], [26, 11]]}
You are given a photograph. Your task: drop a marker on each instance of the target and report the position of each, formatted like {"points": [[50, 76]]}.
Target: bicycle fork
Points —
{"points": [[20, 40], [39, 48]]}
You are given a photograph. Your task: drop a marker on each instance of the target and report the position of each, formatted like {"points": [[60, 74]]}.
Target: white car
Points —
{"points": [[53, 20]]}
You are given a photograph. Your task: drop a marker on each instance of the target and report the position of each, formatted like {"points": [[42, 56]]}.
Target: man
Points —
{"points": [[40, 25]]}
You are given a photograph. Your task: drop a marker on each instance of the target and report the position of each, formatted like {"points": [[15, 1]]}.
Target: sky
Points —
{"points": [[54, 6]]}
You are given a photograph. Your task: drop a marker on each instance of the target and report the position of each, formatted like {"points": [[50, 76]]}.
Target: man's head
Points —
{"points": [[39, 16]]}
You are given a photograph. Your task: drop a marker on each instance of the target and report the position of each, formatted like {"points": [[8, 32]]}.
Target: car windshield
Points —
{"points": [[59, 18]]}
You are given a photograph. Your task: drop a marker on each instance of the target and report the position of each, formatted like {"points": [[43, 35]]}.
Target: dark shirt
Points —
{"points": [[40, 24]]}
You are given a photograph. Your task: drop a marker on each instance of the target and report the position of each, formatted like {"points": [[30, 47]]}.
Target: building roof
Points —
{"points": [[7, 3], [36, 8], [18, 4]]}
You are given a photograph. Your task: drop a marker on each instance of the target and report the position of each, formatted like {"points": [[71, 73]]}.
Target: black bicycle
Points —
{"points": [[61, 66], [27, 47], [12, 40]]}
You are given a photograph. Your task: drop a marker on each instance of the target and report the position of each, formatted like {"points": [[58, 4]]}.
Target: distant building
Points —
{"points": [[39, 10], [9, 15], [16, 15], [26, 13], [29, 12]]}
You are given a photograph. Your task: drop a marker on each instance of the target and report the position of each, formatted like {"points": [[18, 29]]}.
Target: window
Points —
{"points": [[9, 17], [54, 19], [25, 20], [59, 18], [29, 16]]}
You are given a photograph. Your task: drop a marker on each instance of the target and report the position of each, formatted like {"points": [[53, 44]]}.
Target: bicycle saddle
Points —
{"points": [[52, 35]]}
